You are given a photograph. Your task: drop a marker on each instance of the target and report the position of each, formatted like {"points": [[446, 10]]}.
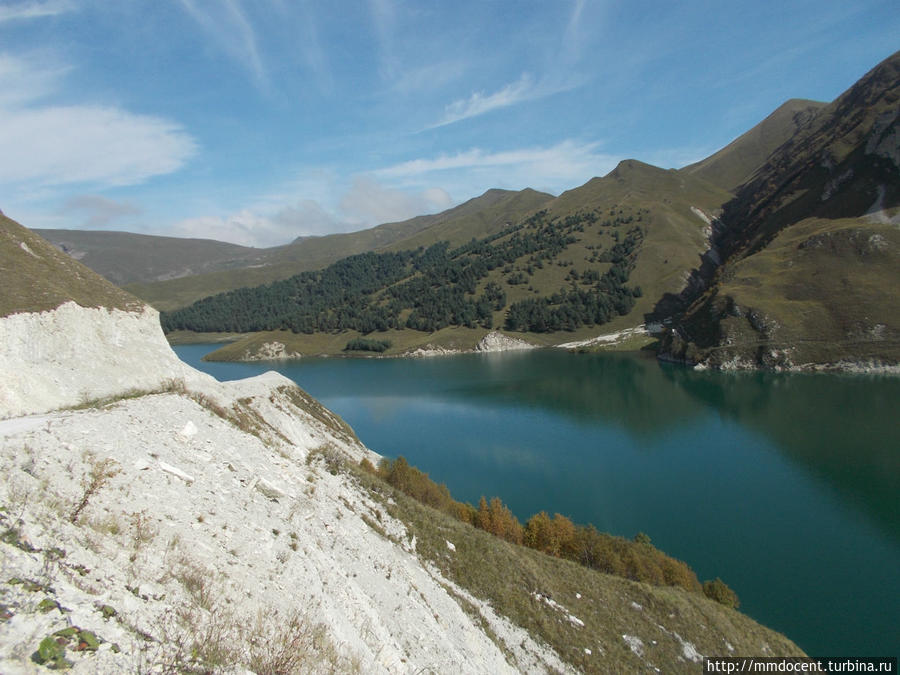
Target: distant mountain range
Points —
{"points": [[779, 250]]}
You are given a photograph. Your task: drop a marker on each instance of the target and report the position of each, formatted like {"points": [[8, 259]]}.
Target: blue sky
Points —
{"points": [[259, 121]]}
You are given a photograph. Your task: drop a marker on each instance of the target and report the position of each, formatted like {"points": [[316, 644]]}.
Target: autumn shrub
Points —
{"points": [[719, 591], [557, 536], [496, 518]]}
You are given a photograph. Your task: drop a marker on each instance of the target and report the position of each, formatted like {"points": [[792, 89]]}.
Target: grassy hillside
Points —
{"points": [[474, 218], [125, 258], [37, 277], [677, 209], [812, 271], [638, 226], [823, 291], [736, 163]]}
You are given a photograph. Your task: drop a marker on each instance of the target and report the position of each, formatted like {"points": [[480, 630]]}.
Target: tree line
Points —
{"points": [[430, 288]]}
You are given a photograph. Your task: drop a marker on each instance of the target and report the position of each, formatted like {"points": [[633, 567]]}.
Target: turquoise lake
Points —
{"points": [[785, 486]]}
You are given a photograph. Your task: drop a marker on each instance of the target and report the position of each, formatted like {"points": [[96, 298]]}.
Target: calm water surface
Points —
{"points": [[786, 486]]}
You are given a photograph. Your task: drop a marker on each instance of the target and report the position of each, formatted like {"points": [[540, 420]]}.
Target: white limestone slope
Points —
{"points": [[217, 520], [71, 355], [495, 341]]}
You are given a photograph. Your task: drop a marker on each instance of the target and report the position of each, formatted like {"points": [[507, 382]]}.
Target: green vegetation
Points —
{"points": [[367, 345], [430, 289], [637, 560], [718, 590], [480, 216]]}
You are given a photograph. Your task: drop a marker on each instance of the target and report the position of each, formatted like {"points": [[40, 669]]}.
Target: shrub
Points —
{"points": [[367, 345], [638, 560], [496, 518], [719, 591]]}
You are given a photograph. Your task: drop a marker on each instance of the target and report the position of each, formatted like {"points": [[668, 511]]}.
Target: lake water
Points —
{"points": [[785, 486]]}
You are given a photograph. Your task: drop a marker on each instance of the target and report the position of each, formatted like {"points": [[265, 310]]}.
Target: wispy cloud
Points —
{"points": [[383, 17], [310, 47], [34, 9], [479, 103], [68, 144], [566, 160], [230, 29], [21, 82]]}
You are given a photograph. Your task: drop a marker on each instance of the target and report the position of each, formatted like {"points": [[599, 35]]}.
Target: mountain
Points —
{"points": [[598, 254], [156, 519], [736, 163], [474, 218], [125, 258], [810, 246]]}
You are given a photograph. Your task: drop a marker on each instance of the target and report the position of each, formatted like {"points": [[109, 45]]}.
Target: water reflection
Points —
{"points": [[844, 429]]}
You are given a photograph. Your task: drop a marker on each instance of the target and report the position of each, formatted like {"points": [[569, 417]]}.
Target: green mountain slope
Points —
{"points": [[36, 277], [811, 246], [579, 263], [736, 162], [474, 218], [678, 211], [125, 258]]}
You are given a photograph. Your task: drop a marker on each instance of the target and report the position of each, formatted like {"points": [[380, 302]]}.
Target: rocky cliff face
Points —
{"points": [[73, 355]]}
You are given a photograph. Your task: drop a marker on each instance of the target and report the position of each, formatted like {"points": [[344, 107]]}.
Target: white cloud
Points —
{"points": [[21, 83], [50, 145], [34, 9], [89, 144], [364, 204], [250, 228], [244, 227], [369, 203], [523, 89], [561, 164]]}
